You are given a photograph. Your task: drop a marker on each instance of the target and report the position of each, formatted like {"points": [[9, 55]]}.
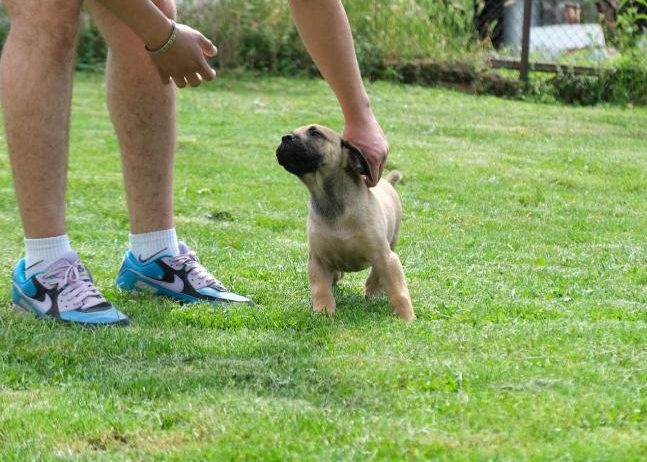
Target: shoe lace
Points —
{"points": [[191, 264], [76, 283]]}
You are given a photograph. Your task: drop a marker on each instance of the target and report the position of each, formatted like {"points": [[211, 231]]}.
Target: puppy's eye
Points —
{"points": [[316, 133]]}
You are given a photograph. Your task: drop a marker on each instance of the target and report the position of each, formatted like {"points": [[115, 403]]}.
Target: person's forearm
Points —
{"points": [[144, 18], [324, 29]]}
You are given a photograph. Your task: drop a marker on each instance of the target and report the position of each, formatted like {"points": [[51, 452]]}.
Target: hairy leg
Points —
{"points": [[36, 91], [143, 114]]}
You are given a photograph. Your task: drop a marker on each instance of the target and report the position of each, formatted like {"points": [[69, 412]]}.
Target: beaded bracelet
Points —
{"points": [[169, 43]]}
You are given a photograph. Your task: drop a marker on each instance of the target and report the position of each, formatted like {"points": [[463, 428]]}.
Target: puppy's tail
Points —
{"points": [[393, 177]]}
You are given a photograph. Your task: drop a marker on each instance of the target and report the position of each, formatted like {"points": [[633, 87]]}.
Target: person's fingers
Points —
{"points": [[179, 81], [208, 48], [369, 183], [376, 171], [194, 80], [374, 175], [206, 72]]}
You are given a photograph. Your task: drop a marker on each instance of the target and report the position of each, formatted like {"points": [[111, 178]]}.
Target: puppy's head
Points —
{"points": [[314, 149]]}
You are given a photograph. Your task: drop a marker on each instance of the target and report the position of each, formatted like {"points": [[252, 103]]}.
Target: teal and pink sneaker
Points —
{"points": [[180, 277], [65, 292]]}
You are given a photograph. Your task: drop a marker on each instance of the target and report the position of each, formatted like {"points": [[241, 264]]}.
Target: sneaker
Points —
{"points": [[181, 277], [64, 292]]}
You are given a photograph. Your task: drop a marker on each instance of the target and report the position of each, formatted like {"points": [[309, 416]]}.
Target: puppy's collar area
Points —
{"points": [[332, 195]]}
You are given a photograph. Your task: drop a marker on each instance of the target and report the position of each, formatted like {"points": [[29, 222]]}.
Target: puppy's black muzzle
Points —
{"points": [[296, 156]]}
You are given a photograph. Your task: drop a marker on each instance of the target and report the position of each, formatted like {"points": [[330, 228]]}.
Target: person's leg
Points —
{"points": [[36, 73], [36, 90], [143, 114]]}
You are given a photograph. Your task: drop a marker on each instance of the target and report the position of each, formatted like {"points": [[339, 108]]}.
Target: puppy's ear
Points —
{"points": [[356, 159]]}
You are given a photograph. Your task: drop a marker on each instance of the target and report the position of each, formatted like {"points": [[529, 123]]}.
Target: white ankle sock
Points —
{"points": [[40, 253], [148, 245]]}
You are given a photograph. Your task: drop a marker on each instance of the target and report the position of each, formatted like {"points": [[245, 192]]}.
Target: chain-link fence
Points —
{"points": [[547, 35]]}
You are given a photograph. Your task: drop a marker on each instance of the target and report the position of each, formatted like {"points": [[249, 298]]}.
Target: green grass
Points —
{"points": [[524, 242]]}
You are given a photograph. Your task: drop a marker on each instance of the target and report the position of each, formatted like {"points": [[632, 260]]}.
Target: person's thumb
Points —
{"points": [[208, 48]]}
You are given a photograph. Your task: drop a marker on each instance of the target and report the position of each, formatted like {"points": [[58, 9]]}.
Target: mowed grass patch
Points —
{"points": [[523, 241]]}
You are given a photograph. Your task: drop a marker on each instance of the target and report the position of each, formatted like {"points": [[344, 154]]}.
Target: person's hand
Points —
{"points": [[369, 138], [185, 62]]}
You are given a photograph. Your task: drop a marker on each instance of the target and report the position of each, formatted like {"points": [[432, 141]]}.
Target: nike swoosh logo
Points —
{"points": [[34, 264], [176, 286], [145, 260], [43, 306]]}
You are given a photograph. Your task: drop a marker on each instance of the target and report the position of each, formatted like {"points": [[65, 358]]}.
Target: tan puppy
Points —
{"points": [[350, 227]]}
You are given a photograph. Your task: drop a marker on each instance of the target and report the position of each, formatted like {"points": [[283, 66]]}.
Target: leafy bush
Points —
{"points": [[92, 50], [260, 34], [624, 83], [631, 23], [4, 25]]}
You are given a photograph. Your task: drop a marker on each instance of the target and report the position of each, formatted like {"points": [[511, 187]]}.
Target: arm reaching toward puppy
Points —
{"points": [[185, 60], [325, 31]]}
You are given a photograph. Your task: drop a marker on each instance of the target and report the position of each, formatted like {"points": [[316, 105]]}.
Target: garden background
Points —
{"points": [[523, 242]]}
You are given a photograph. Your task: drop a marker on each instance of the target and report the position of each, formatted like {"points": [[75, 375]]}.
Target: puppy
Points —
{"points": [[350, 227]]}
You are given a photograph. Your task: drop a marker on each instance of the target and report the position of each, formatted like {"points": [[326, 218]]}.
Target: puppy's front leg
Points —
{"points": [[392, 278], [321, 279]]}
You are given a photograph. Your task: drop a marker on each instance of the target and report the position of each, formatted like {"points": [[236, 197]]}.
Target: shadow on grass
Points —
{"points": [[171, 350]]}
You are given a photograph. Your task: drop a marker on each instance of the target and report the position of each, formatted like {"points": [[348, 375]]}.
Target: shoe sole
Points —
{"points": [[182, 301], [148, 287], [25, 311]]}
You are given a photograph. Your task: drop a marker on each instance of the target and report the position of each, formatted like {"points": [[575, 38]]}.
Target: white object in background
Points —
{"points": [[560, 39]]}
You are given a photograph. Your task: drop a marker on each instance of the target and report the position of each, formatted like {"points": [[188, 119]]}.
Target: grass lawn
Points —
{"points": [[524, 242]]}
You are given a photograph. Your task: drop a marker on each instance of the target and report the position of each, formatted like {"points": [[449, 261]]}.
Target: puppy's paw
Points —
{"points": [[324, 309], [408, 317]]}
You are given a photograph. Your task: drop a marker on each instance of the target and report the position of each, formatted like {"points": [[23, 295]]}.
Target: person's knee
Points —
{"points": [[50, 27]]}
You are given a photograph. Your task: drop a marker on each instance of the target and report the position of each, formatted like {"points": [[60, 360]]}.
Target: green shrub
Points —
{"points": [[624, 83], [631, 23], [260, 34], [257, 35], [4, 25], [92, 50]]}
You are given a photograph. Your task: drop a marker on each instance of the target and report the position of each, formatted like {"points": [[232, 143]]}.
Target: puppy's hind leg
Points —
{"points": [[321, 280], [392, 278], [336, 277], [372, 287]]}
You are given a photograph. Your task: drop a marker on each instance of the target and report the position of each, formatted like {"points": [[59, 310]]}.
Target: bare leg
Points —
{"points": [[324, 28], [36, 90], [321, 280], [143, 114], [392, 280]]}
